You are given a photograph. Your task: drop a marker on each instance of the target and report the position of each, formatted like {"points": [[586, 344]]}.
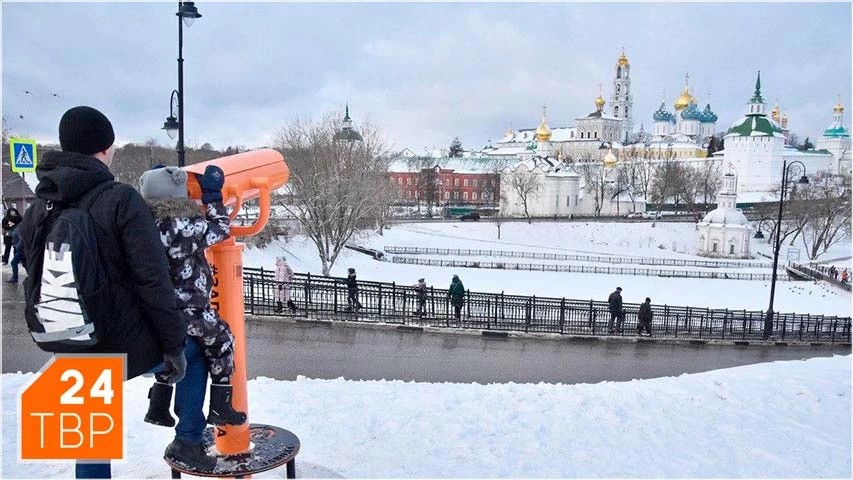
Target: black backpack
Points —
{"points": [[67, 291]]}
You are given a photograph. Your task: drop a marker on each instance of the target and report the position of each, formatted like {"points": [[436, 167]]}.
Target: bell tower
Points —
{"points": [[622, 100]]}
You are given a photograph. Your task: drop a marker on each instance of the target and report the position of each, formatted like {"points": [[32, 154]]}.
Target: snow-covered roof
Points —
{"points": [[725, 216], [457, 164], [559, 134], [598, 114]]}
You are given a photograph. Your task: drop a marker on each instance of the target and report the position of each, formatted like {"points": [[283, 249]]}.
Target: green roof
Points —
{"points": [[836, 130], [755, 125]]}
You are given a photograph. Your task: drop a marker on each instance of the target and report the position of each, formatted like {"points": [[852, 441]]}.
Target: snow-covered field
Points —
{"points": [[596, 238], [783, 419]]}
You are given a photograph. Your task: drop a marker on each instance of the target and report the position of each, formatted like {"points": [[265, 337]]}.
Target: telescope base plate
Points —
{"points": [[273, 447]]}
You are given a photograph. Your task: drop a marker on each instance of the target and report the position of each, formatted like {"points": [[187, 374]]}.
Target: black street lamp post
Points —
{"points": [[786, 182], [187, 13]]}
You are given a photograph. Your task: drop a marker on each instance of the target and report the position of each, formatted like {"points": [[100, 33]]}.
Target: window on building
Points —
{"points": [[456, 195], [408, 180], [714, 247], [731, 248], [447, 195], [410, 194], [475, 182], [473, 195], [616, 111], [456, 182], [465, 182], [619, 72], [596, 134], [569, 201], [464, 195], [400, 180]]}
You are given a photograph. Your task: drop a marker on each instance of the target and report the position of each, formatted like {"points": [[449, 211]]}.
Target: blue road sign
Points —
{"points": [[24, 154]]}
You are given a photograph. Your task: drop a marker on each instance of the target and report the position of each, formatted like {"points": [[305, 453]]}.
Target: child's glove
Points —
{"points": [[211, 184]]}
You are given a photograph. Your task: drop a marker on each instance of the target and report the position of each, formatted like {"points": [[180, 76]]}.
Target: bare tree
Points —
{"points": [[594, 182], [525, 184], [336, 181], [497, 196], [825, 205], [707, 177], [384, 197], [5, 131], [669, 183], [427, 181]]}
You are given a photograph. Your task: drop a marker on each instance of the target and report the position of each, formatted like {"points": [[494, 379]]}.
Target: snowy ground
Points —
{"points": [[783, 419], [596, 238]]}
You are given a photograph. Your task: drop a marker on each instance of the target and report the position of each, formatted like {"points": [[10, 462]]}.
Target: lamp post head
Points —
{"points": [[758, 235], [171, 126], [804, 180], [188, 12]]}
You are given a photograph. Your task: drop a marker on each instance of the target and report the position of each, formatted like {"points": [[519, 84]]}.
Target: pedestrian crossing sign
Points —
{"points": [[24, 154]]}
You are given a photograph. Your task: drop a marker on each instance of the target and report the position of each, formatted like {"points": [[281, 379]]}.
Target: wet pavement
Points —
{"points": [[285, 349]]}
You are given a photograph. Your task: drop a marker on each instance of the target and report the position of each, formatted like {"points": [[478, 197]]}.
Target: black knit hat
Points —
{"points": [[85, 130]]}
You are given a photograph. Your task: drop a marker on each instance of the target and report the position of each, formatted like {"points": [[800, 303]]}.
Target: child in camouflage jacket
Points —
{"points": [[185, 233]]}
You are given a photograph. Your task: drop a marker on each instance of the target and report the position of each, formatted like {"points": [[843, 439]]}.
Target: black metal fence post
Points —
{"points": [[308, 291]]}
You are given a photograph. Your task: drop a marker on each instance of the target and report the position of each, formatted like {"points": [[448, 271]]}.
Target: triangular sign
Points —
{"points": [[24, 159]]}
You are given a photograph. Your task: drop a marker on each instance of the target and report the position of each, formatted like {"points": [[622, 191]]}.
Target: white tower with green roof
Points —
{"points": [[754, 146], [836, 140]]}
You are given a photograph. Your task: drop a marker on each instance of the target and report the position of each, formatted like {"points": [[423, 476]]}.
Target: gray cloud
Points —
{"points": [[423, 72]]}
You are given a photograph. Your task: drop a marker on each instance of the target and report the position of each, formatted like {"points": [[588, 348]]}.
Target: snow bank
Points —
{"points": [[781, 419]]}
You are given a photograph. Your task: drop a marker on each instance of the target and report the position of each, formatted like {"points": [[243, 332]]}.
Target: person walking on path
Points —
{"points": [[421, 295], [644, 317], [615, 306], [18, 258], [10, 222], [143, 320], [283, 279], [456, 294], [352, 291], [844, 276]]}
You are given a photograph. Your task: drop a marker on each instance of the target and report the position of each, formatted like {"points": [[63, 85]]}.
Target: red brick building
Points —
{"points": [[446, 181]]}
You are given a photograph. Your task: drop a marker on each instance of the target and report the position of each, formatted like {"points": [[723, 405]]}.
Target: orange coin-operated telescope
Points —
{"points": [[248, 448]]}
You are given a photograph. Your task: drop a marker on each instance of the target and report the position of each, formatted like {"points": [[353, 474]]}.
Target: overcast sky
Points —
{"points": [[423, 72]]}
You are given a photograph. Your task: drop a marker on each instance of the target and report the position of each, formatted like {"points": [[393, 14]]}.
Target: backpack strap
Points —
{"points": [[88, 199]]}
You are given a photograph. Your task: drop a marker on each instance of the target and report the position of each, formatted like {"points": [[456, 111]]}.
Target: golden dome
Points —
{"points": [[599, 102], [839, 108], [610, 159], [684, 99], [543, 133], [623, 60], [774, 113]]}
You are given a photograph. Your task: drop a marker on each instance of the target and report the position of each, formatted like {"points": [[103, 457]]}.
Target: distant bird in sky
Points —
{"points": [[21, 117], [28, 92], [55, 95]]}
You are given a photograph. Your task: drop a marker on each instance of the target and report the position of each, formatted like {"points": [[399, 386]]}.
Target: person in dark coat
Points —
{"points": [[615, 306], [18, 258], [456, 294], [147, 325], [352, 291], [644, 318], [10, 222], [421, 294], [185, 233]]}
